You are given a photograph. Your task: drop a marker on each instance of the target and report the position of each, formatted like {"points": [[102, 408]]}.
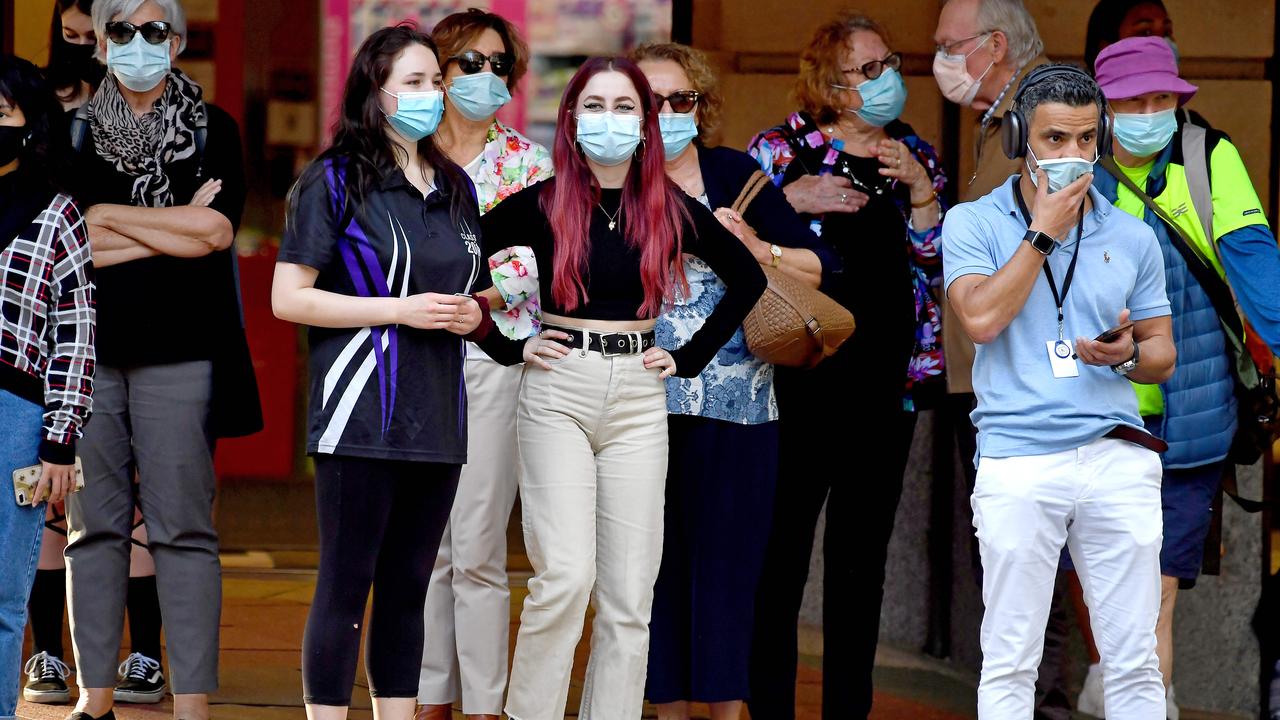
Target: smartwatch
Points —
{"points": [[1129, 365], [1044, 244]]}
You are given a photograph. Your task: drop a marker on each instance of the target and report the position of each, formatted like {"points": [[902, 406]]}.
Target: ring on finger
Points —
{"points": [[843, 198]]}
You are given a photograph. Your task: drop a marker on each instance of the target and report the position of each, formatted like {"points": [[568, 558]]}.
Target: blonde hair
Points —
{"points": [[820, 64], [703, 79]]}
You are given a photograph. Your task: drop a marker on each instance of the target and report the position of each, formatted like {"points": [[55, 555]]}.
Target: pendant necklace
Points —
{"points": [[613, 219]]}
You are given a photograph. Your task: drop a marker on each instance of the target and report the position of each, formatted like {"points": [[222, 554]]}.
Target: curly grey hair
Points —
{"points": [[105, 11]]}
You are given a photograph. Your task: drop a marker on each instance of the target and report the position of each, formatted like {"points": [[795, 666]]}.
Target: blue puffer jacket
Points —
{"points": [[1199, 403]]}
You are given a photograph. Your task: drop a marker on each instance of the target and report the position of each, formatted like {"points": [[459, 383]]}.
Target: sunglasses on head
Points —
{"points": [[876, 68], [472, 62], [682, 101], [154, 32]]}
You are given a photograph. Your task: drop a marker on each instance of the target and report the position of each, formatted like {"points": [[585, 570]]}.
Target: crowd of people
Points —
{"points": [[488, 317]]}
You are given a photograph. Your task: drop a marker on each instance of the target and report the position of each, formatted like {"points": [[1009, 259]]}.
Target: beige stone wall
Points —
{"points": [[31, 29], [756, 42]]}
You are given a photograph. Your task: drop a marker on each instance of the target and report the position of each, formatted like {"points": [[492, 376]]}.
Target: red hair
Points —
{"points": [[653, 210]]}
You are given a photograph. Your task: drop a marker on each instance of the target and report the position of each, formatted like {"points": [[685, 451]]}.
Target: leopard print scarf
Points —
{"points": [[143, 147]]}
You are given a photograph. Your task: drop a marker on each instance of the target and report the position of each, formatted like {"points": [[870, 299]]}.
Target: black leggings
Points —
{"points": [[380, 524]]}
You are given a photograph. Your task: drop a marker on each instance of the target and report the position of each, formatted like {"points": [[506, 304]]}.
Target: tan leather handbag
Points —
{"points": [[792, 324]]}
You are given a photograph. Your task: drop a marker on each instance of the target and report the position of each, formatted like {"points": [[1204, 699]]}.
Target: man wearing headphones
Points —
{"points": [[1034, 269]]}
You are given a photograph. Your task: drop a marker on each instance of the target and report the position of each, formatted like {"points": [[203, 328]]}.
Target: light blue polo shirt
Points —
{"points": [[1022, 408]]}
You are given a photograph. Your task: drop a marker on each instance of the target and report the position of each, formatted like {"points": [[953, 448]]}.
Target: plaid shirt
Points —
{"points": [[47, 323]]}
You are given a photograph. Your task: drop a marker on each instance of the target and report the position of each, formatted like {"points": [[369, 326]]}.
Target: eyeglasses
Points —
{"points": [[875, 68], [154, 32], [472, 62], [682, 101], [946, 49]]}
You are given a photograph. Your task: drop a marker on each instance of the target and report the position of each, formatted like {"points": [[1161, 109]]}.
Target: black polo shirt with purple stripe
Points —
{"points": [[390, 392]]}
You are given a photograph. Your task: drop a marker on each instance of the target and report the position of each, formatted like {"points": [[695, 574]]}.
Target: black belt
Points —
{"points": [[607, 343]]}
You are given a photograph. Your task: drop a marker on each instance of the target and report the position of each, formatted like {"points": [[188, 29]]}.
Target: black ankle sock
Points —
{"points": [[48, 602], [144, 616]]}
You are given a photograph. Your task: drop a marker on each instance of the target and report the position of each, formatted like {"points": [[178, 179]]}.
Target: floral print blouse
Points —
{"points": [[509, 163], [776, 147], [736, 386]]}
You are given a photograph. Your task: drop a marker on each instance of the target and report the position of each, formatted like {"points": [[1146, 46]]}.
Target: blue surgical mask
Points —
{"points": [[882, 98], [1146, 135], [678, 130], [139, 65], [417, 114], [1060, 171], [607, 138], [1177, 56], [478, 96]]}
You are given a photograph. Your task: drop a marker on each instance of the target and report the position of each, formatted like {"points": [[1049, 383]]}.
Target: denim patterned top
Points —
{"points": [[735, 386]]}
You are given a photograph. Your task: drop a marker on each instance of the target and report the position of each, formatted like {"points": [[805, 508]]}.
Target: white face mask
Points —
{"points": [[1061, 172], [952, 74]]}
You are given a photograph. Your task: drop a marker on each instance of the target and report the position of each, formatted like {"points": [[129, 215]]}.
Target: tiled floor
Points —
{"points": [[265, 607]]}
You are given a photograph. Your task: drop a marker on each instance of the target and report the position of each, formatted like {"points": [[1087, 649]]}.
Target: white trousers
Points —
{"points": [[468, 611], [1103, 501], [593, 450]]}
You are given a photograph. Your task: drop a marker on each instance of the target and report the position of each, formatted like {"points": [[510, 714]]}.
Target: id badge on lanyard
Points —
{"points": [[1062, 358]]}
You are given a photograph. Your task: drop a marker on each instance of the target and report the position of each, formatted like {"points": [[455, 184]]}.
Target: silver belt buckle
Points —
{"points": [[607, 351]]}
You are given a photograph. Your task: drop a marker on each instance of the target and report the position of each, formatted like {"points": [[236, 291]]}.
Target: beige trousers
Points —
{"points": [[593, 449], [468, 611]]}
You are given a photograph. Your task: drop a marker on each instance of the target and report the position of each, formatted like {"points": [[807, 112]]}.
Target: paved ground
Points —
{"points": [[265, 608]]}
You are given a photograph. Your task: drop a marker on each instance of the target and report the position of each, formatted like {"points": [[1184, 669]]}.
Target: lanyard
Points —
{"points": [[1059, 299]]}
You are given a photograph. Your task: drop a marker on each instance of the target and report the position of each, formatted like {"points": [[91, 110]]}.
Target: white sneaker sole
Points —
{"points": [[139, 698], [47, 697]]}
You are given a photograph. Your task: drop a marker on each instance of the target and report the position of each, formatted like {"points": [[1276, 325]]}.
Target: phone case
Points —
{"points": [[25, 481], [24, 484]]}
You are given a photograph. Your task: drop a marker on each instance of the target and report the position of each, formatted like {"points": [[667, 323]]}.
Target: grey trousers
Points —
{"points": [[154, 419]]}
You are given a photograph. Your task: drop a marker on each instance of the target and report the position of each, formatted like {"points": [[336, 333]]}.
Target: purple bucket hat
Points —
{"points": [[1140, 65]]}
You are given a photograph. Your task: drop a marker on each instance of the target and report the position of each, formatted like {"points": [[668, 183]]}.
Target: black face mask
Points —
{"points": [[12, 141], [76, 53], [72, 62]]}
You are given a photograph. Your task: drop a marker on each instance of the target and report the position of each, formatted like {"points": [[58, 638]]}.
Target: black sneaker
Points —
{"points": [[140, 680], [81, 715], [46, 680]]}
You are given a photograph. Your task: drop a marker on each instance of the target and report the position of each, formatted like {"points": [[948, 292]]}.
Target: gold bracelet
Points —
{"points": [[933, 197]]}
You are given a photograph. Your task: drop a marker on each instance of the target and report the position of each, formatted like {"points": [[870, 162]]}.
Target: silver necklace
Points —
{"points": [[613, 219], [848, 172]]}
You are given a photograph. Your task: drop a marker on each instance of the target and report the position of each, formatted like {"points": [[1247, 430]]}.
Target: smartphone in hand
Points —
{"points": [[25, 481], [1113, 334]]}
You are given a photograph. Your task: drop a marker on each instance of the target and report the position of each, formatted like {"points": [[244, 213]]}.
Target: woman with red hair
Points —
{"points": [[608, 233]]}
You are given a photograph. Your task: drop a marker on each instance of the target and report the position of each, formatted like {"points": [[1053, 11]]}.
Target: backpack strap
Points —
{"points": [[1219, 292], [1195, 159]]}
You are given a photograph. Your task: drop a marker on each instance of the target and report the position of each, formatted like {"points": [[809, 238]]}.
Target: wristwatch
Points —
{"points": [[1129, 365], [776, 252], [1044, 244]]}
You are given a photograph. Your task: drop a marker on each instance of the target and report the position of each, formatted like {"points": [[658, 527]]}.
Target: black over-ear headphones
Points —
{"points": [[1014, 127]]}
